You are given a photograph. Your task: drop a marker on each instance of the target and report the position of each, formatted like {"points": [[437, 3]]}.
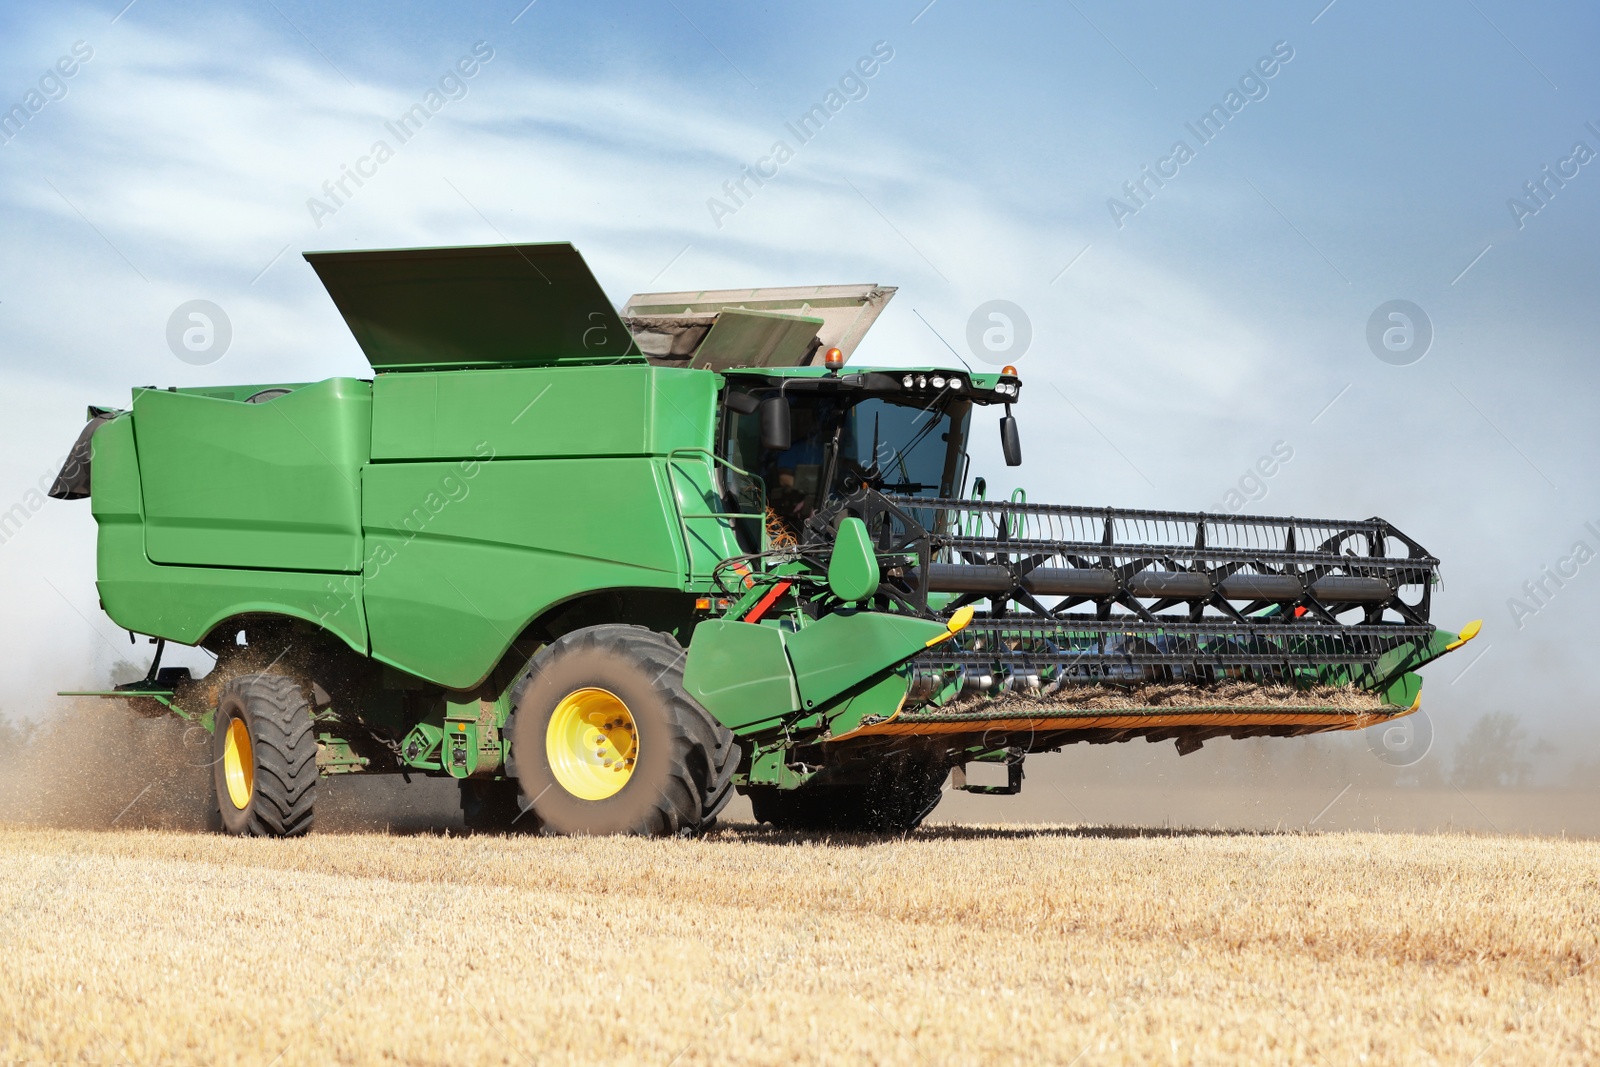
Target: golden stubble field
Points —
{"points": [[953, 945]]}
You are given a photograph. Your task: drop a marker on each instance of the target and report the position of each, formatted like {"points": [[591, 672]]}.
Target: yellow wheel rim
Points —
{"points": [[592, 744], [238, 764]]}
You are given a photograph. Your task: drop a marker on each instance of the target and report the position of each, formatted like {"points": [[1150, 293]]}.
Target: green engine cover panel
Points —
{"points": [[274, 485], [462, 555]]}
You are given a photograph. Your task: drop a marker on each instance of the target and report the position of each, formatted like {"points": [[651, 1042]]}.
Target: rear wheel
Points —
{"points": [[607, 741], [900, 792], [264, 757]]}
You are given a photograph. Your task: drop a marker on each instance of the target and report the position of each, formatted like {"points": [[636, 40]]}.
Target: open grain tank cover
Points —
{"points": [[484, 306], [670, 328]]}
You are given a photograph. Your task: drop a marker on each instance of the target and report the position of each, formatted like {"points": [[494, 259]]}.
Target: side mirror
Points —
{"points": [[853, 567], [775, 435], [1010, 443]]}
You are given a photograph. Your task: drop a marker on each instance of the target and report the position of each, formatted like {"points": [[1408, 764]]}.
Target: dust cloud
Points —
{"points": [[96, 764], [1322, 783]]}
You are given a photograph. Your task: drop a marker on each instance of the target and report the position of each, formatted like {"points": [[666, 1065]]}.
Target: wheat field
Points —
{"points": [[952, 945]]}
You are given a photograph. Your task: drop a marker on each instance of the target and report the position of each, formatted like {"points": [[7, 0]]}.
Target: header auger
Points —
{"points": [[604, 570]]}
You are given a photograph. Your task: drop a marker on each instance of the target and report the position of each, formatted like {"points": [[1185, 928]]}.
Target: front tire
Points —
{"points": [[607, 741], [264, 757]]}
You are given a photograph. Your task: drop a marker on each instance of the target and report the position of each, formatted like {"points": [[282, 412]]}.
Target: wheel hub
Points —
{"points": [[592, 743], [238, 763]]}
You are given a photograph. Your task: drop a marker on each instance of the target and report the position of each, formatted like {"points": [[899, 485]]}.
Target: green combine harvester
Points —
{"points": [[605, 569]]}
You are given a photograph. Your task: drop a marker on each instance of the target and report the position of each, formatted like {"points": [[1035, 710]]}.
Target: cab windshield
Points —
{"points": [[839, 442]]}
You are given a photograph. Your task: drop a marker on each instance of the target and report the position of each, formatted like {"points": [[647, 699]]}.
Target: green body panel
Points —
{"points": [[492, 497], [459, 565], [839, 668], [880, 695], [235, 392], [185, 603], [115, 498], [837, 652], [271, 486], [542, 412], [740, 673]]}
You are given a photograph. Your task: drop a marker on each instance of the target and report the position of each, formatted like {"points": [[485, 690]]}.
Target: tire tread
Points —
{"points": [[705, 753], [283, 801]]}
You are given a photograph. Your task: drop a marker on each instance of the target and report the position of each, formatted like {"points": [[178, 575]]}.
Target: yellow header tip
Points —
{"points": [[957, 623], [1468, 632]]}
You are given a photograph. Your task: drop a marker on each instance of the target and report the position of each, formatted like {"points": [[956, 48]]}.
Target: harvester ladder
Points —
{"points": [[727, 517]]}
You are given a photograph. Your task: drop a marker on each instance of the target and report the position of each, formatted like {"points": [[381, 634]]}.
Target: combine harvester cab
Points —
{"points": [[603, 570]]}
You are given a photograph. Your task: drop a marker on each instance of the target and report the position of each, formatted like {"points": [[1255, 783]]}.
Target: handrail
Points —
{"points": [[683, 517]]}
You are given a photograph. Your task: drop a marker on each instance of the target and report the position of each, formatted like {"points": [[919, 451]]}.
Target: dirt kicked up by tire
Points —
{"points": [[607, 741], [264, 757], [901, 790]]}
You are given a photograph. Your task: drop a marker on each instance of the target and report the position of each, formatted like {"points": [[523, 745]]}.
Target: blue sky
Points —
{"points": [[1226, 315]]}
